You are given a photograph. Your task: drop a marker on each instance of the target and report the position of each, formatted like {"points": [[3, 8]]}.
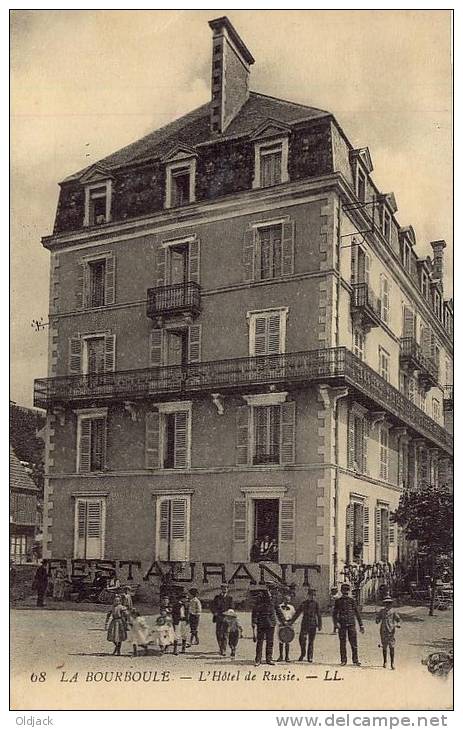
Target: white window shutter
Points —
{"points": [[274, 335], [194, 268], [365, 431], [163, 530], [181, 440], [350, 441], [179, 526], [81, 507], [260, 336], [287, 259], [366, 525], [249, 254], [161, 267], [110, 280], [409, 322], [242, 435], [392, 530], [354, 261], [367, 269], [94, 530], [110, 353], [156, 344], [350, 527], [152, 450], [75, 356], [240, 532], [194, 343], [287, 547], [288, 432], [378, 532], [81, 285], [85, 444]]}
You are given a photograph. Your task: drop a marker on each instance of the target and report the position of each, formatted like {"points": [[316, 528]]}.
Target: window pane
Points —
{"points": [[270, 169], [97, 283]]}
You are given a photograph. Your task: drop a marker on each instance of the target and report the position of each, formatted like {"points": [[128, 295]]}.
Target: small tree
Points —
{"points": [[426, 515]]}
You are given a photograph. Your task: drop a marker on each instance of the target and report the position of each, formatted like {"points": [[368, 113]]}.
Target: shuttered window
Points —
{"points": [[382, 532], [89, 528], [409, 322], [357, 531], [266, 333], [268, 251], [385, 299], [167, 440], [357, 443], [359, 344], [92, 355], [272, 434], [92, 443], [270, 165], [383, 452], [95, 282], [173, 528]]}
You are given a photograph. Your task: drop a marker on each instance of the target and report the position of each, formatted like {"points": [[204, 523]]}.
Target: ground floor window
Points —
{"points": [[264, 529], [384, 532], [173, 528], [357, 531], [18, 548], [89, 528]]}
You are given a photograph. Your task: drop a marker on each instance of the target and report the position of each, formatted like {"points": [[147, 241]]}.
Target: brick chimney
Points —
{"points": [[231, 63], [438, 261]]}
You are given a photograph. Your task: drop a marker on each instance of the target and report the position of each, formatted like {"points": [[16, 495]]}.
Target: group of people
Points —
{"points": [[175, 626]]}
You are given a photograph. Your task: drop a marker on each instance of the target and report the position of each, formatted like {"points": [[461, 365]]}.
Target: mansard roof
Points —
{"points": [[193, 129]]}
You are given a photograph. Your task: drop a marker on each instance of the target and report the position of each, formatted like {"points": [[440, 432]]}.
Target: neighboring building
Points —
{"points": [[23, 512], [244, 345]]}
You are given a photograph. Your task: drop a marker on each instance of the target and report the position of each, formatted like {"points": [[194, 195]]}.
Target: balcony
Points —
{"points": [[413, 358], [448, 397], [164, 301], [365, 307], [334, 366]]}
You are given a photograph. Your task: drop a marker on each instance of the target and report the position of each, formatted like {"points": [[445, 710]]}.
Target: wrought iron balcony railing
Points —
{"points": [[413, 357], [366, 305], [174, 299], [336, 365]]}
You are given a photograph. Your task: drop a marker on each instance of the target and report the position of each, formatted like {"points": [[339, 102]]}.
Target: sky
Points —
{"points": [[85, 83]]}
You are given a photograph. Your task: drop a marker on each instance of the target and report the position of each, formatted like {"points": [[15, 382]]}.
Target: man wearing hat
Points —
{"points": [[221, 603], [264, 619], [389, 620], [311, 621], [345, 614], [180, 621]]}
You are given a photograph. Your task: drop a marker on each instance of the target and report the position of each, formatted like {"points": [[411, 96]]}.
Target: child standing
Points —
{"points": [[163, 632], [389, 620], [195, 609], [288, 611], [139, 631], [126, 599], [116, 623], [180, 619], [233, 630]]}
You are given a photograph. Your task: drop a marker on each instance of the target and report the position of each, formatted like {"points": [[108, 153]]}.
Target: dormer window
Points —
{"points": [[406, 256], [270, 159], [180, 179], [98, 203], [424, 285]]}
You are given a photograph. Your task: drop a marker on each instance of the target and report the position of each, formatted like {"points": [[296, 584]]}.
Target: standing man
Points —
{"points": [[311, 621], [222, 602], [264, 620], [345, 614], [40, 583]]}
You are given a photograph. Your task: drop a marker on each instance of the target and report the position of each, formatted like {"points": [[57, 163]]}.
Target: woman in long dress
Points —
{"points": [[116, 623]]}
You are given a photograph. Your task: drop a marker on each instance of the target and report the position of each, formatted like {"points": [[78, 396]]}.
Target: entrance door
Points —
{"points": [[266, 528]]}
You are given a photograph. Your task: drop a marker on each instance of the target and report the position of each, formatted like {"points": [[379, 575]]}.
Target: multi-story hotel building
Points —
{"points": [[244, 345]]}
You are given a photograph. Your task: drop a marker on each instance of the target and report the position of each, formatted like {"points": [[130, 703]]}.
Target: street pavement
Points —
{"points": [[61, 659]]}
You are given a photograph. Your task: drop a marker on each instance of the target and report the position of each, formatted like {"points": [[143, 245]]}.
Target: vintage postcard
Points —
{"points": [[231, 415]]}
